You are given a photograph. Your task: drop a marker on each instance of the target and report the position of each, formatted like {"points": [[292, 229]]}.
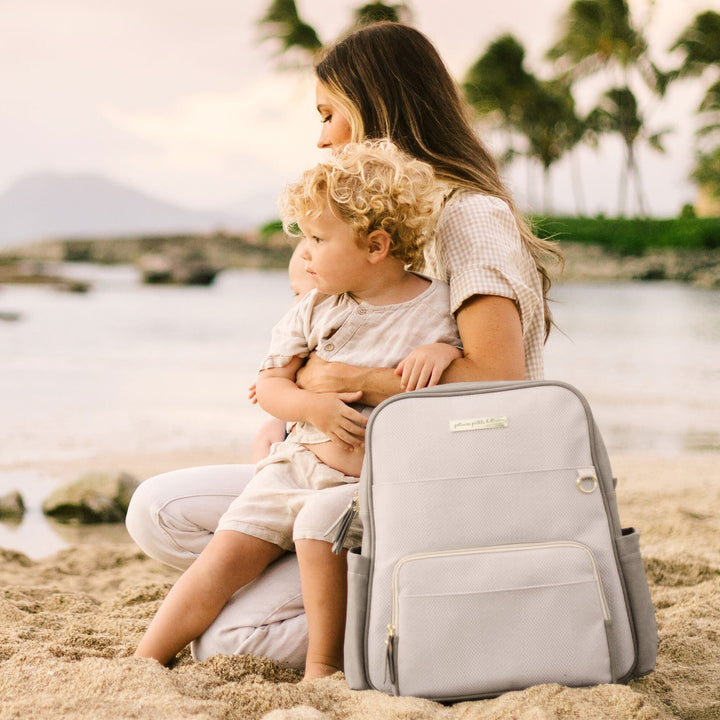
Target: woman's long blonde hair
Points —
{"points": [[390, 81]]}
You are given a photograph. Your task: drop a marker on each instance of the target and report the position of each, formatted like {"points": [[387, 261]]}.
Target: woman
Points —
{"points": [[385, 80]]}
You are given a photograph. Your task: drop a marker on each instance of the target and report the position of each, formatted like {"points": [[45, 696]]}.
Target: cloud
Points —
{"points": [[271, 118], [212, 147]]}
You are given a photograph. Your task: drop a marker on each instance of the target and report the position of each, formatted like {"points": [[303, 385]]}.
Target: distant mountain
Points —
{"points": [[53, 205]]}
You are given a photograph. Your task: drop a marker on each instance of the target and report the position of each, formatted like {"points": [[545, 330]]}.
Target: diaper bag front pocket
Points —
{"points": [[476, 622]]}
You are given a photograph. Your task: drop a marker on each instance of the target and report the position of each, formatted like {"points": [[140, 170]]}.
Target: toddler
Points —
{"points": [[365, 217]]}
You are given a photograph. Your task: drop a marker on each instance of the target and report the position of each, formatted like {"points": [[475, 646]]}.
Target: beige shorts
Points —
{"points": [[293, 496]]}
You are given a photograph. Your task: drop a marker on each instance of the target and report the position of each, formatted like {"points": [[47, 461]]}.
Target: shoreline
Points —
{"points": [[71, 621], [584, 262], [593, 263], [142, 464]]}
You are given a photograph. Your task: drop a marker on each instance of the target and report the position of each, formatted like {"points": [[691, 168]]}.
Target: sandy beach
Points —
{"points": [[69, 624]]}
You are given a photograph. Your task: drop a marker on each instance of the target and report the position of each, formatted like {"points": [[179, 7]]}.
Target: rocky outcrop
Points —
{"points": [[12, 506], [594, 263], [220, 250], [177, 268], [32, 272], [94, 498]]}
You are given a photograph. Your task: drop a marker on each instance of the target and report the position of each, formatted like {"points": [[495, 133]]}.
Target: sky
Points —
{"points": [[184, 101]]}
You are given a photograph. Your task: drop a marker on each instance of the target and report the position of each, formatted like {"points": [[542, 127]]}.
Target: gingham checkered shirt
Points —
{"points": [[481, 252]]}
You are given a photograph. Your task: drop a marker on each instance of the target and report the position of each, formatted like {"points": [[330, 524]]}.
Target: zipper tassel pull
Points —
{"points": [[344, 523], [390, 656]]}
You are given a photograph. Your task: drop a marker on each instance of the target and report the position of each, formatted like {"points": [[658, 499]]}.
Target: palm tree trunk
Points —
{"points": [[547, 191], [576, 177], [635, 169], [623, 187], [531, 196]]}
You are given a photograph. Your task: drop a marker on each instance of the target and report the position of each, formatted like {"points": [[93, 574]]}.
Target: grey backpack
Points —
{"points": [[492, 556]]}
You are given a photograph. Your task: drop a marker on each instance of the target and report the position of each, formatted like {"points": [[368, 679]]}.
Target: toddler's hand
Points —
{"points": [[252, 394], [424, 366], [344, 425]]}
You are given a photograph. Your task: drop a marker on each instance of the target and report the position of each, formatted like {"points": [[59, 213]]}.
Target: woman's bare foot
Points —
{"points": [[316, 670]]}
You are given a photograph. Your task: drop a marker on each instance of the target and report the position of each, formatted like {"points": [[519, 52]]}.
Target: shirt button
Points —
{"points": [[362, 310], [329, 347]]}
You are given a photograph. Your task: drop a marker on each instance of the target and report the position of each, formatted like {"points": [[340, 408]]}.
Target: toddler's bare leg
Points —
{"points": [[230, 561], [324, 585]]}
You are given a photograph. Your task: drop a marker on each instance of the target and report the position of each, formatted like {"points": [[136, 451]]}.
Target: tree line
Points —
{"points": [[539, 115]]}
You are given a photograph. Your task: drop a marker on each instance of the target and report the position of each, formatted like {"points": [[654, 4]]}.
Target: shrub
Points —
{"points": [[633, 236]]}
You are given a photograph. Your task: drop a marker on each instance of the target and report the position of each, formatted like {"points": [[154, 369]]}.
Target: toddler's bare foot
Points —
{"points": [[316, 670]]}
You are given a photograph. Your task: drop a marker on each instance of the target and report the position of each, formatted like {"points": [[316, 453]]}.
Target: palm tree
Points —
{"points": [[710, 111], [379, 11], [541, 112], [498, 83], [296, 36], [618, 113], [707, 171], [552, 128], [596, 32], [284, 23], [599, 36], [498, 86], [700, 44]]}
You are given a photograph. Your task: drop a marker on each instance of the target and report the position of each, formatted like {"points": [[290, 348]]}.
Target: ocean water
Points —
{"points": [[131, 368], [647, 357]]}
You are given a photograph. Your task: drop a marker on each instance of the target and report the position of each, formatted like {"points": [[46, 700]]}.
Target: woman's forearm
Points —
{"points": [[491, 333], [468, 369], [376, 384]]}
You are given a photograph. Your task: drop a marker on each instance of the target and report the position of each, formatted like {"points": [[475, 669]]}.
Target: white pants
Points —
{"points": [[172, 518]]}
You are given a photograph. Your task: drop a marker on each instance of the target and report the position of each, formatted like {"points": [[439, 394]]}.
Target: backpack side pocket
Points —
{"points": [[358, 571], [641, 606]]}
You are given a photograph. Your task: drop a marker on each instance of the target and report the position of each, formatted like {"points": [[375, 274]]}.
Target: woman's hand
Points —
{"points": [[320, 376], [376, 384]]}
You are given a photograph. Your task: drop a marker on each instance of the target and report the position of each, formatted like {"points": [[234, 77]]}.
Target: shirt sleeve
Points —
{"points": [[289, 336], [483, 254]]}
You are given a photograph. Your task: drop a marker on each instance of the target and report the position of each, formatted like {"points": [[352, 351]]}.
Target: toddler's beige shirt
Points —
{"points": [[340, 329]]}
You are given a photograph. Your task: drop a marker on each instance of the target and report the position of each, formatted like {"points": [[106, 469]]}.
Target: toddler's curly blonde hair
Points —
{"points": [[370, 185]]}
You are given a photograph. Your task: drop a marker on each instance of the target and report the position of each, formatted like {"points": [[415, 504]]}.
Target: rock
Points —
{"points": [[156, 269], [177, 267], [74, 286], [94, 498], [12, 506], [31, 272], [653, 272]]}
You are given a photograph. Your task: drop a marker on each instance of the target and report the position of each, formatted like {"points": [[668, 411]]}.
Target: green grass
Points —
{"points": [[632, 236]]}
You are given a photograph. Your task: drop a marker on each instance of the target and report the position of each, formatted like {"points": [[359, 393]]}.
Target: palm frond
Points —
{"points": [[700, 44]]}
